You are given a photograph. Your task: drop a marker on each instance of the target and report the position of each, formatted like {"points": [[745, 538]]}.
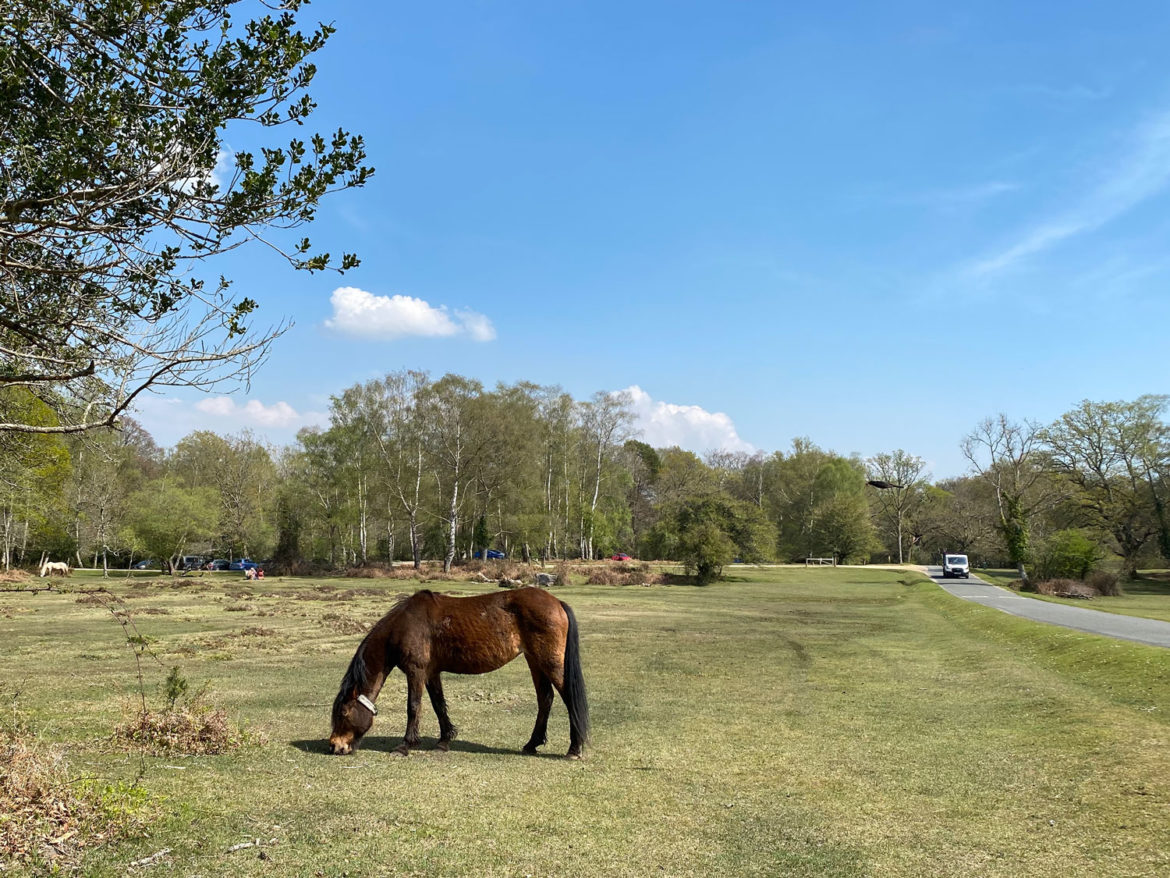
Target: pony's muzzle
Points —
{"points": [[340, 748]]}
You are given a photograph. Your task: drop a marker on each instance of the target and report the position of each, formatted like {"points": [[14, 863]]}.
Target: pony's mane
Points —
{"points": [[357, 675]]}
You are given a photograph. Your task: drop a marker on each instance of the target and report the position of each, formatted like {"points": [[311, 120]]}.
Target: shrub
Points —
{"points": [[188, 724], [622, 574], [1106, 582], [199, 730], [1067, 554], [1061, 588], [45, 817], [605, 576]]}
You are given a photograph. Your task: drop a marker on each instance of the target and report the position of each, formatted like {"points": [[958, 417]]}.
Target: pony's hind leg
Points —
{"points": [[447, 731], [544, 700]]}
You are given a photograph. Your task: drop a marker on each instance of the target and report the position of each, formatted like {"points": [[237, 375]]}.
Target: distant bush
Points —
{"points": [[622, 574], [1061, 588], [1067, 554], [1106, 582]]}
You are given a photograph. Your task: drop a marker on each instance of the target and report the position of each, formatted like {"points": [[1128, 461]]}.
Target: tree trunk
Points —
{"points": [[363, 535], [415, 548], [452, 519]]}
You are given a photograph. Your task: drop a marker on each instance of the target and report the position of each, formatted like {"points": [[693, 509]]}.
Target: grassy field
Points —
{"points": [[792, 722], [1148, 596]]}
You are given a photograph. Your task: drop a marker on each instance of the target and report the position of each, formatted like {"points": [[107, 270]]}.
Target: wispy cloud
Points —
{"points": [[663, 424], [254, 413], [169, 419], [1141, 172], [360, 314], [958, 197], [1070, 93]]}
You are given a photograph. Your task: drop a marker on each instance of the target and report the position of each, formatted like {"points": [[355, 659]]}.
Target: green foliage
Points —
{"points": [[1014, 530], [1068, 554], [174, 687], [169, 520], [706, 532], [480, 538], [817, 499], [124, 107], [704, 548], [1111, 457]]}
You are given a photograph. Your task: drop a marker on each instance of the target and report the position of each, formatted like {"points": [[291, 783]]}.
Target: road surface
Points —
{"points": [[1149, 631]]}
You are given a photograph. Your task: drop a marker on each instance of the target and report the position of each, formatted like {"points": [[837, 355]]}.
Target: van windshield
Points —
{"points": [[954, 560]]}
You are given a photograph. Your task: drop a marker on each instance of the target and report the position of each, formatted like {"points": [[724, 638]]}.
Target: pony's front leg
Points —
{"points": [[414, 689], [447, 731]]}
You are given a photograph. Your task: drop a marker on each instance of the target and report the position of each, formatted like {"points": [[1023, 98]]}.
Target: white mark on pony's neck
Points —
{"points": [[367, 704]]}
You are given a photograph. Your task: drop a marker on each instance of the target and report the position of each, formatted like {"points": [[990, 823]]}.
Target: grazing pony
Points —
{"points": [[48, 568], [426, 634]]}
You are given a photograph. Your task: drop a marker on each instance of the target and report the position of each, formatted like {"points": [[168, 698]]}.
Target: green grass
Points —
{"points": [[843, 722], [1148, 596]]}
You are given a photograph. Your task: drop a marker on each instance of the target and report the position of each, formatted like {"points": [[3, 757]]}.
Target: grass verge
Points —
{"points": [[844, 722]]}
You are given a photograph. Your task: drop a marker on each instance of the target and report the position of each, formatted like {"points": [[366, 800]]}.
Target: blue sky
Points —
{"points": [[868, 224]]}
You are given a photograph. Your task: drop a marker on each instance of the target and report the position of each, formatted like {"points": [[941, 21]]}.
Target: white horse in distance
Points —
{"points": [[48, 568]]}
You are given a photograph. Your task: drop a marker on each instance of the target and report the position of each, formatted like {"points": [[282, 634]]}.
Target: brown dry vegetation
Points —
{"points": [[45, 817], [195, 728], [1099, 583]]}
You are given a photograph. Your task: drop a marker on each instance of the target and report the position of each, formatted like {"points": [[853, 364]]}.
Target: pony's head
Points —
{"points": [[353, 712]]}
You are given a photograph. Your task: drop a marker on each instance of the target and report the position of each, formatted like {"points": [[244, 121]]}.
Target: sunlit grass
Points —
{"points": [[790, 722]]}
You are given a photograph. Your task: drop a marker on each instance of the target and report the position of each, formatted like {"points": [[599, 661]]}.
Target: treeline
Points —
{"points": [[412, 468]]}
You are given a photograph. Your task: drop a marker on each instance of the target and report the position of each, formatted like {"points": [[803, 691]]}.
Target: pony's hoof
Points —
{"points": [[443, 746], [400, 750], [529, 750], [573, 755]]}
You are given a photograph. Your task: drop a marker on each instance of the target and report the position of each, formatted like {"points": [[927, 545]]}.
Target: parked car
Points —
{"points": [[218, 564], [243, 564], [190, 562], [148, 564], [620, 556], [492, 555]]}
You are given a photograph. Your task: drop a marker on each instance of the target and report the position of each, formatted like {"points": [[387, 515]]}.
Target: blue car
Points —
{"points": [[243, 564], [492, 555]]}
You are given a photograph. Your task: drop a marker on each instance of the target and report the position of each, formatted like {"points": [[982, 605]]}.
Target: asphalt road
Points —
{"points": [[1150, 631]]}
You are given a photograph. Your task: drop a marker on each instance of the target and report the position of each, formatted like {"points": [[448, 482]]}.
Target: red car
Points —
{"points": [[620, 556]]}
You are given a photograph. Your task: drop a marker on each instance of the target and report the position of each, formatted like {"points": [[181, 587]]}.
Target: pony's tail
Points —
{"points": [[574, 695]]}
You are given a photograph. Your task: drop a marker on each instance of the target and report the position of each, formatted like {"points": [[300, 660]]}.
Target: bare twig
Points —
{"points": [[152, 859]]}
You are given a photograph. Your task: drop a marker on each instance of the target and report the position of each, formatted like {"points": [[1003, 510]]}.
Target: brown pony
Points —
{"points": [[427, 633]]}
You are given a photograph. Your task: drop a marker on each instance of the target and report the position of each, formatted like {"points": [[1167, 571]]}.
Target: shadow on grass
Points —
{"points": [[1149, 583], [387, 743]]}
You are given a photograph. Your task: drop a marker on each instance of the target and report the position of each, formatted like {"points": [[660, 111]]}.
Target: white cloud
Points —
{"points": [[664, 424], [477, 326], [363, 315], [225, 165], [1140, 174], [253, 413]]}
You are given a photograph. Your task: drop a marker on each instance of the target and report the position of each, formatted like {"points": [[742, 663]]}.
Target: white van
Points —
{"points": [[956, 566]]}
